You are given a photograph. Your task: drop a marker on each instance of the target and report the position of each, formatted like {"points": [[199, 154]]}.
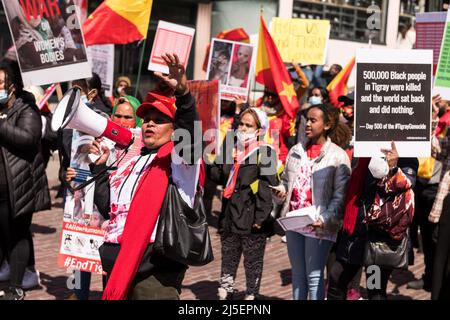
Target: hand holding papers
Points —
{"points": [[298, 219]]}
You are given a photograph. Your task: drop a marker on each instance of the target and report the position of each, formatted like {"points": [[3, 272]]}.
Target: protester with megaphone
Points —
{"points": [[23, 183], [134, 194]]}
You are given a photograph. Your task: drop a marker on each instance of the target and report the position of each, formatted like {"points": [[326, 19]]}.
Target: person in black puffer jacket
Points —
{"points": [[23, 182]]}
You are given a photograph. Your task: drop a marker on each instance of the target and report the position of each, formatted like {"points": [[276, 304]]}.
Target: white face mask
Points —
{"points": [[315, 100], [244, 137], [378, 167]]}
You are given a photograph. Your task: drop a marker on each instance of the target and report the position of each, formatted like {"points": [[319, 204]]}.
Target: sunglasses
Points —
{"points": [[156, 120]]}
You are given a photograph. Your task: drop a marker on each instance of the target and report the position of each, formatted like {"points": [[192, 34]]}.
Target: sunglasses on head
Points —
{"points": [[123, 100]]}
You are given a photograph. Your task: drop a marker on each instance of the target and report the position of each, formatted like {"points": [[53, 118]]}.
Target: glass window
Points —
{"points": [[349, 18], [234, 14]]}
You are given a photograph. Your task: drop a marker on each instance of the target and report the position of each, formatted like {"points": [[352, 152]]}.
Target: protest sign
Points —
{"points": [[82, 9], [81, 233], [301, 40], [429, 31], [442, 80], [207, 100], [393, 102], [48, 40], [170, 38], [231, 64], [101, 58]]}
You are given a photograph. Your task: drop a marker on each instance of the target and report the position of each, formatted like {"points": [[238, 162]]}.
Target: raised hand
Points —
{"points": [[176, 79], [391, 155], [436, 99]]}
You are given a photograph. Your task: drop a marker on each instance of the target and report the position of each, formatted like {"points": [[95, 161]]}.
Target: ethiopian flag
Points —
{"points": [[338, 86], [271, 72], [118, 22]]}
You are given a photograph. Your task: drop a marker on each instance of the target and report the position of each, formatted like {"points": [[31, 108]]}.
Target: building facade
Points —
{"points": [[349, 21]]}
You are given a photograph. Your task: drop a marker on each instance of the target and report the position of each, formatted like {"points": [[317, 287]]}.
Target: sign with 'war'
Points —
{"points": [[48, 40], [393, 102]]}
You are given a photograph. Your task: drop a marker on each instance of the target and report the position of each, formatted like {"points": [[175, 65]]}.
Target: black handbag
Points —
{"points": [[385, 252], [182, 234]]}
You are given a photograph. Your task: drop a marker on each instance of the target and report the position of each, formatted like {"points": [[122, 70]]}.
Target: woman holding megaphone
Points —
{"points": [[133, 195]]}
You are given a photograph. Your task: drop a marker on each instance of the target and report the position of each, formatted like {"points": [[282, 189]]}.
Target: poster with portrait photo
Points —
{"points": [[231, 63], [48, 40], [82, 232], [219, 61]]}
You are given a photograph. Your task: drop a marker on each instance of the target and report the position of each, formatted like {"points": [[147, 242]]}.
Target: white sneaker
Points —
{"points": [[4, 271], [283, 239], [31, 279], [250, 297]]}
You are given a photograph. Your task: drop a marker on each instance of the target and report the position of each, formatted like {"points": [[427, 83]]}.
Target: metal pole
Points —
{"points": [[141, 60]]}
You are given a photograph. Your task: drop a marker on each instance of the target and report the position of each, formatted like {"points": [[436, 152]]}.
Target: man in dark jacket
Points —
{"points": [[23, 183]]}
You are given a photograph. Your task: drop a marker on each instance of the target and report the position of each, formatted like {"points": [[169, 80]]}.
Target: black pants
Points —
{"points": [[157, 278], [341, 276], [208, 196], [441, 273], [15, 245], [424, 199]]}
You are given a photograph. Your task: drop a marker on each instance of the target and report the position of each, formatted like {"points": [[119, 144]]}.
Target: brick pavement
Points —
{"points": [[200, 282]]}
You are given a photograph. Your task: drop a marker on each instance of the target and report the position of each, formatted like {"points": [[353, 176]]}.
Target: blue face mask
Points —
{"points": [[315, 100], [85, 100], [4, 97]]}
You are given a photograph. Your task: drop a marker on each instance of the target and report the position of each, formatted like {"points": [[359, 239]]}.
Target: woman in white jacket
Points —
{"points": [[316, 174]]}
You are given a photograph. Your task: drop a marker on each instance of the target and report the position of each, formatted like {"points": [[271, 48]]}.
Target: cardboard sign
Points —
{"points": [[48, 40], [231, 64], [207, 100], [442, 80], [81, 234], [170, 38], [393, 102], [101, 58], [429, 31], [301, 40]]}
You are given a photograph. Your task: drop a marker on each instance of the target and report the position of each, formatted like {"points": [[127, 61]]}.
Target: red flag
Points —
{"points": [[271, 71], [118, 22], [338, 87]]}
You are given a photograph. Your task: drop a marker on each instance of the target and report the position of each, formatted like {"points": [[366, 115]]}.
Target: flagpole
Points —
{"points": [[141, 60]]}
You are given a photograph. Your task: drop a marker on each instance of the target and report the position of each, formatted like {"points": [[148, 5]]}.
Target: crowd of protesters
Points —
{"points": [[308, 164]]}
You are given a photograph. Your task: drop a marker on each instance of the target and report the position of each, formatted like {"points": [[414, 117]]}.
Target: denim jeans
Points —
{"points": [[308, 257]]}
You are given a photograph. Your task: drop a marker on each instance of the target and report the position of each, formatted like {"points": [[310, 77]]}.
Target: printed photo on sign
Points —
{"points": [[101, 58], [230, 63], [48, 40], [170, 38], [240, 68], [219, 65], [82, 232], [393, 102]]}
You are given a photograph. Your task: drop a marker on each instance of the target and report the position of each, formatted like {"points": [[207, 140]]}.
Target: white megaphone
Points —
{"points": [[72, 113]]}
